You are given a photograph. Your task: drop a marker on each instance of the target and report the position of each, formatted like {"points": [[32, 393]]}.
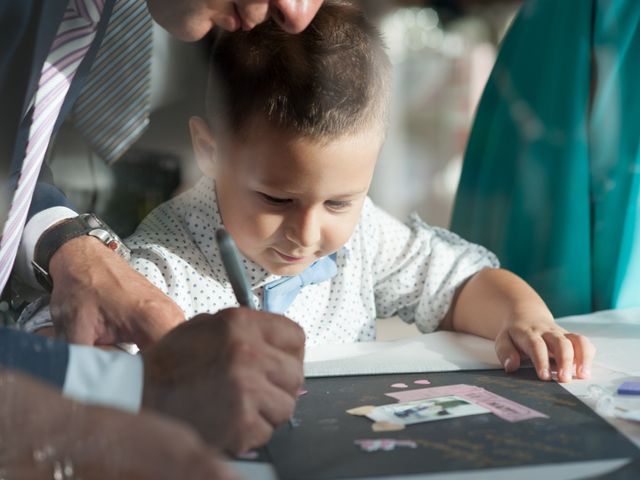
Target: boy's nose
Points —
{"points": [[294, 16], [304, 229]]}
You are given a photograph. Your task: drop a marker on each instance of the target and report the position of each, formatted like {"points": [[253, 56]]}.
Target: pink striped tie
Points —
{"points": [[74, 37]]}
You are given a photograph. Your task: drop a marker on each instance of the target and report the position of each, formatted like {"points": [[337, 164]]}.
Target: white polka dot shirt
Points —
{"points": [[386, 268]]}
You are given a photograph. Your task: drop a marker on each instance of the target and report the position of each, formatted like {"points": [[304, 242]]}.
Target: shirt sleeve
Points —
{"points": [[153, 265], [84, 373], [100, 377], [170, 273], [417, 268], [34, 228], [151, 246], [158, 253]]}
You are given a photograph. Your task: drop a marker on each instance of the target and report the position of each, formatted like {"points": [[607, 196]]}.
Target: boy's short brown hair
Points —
{"points": [[330, 80]]}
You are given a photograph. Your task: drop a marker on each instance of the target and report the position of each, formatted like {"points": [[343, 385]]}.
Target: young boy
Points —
{"points": [[294, 127]]}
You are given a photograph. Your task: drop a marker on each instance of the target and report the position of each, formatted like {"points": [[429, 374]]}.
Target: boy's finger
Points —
{"points": [[507, 353], [562, 349], [584, 352], [536, 349]]}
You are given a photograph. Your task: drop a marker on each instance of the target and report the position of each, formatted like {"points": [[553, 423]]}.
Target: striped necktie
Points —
{"points": [[113, 108], [73, 39]]}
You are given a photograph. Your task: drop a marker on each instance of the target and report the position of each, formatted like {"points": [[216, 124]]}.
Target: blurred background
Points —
{"points": [[442, 52]]}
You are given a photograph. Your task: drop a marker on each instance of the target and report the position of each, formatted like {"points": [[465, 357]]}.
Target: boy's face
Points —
{"points": [[288, 202], [191, 20]]}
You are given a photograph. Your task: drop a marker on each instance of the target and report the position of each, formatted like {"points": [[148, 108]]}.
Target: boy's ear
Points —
{"points": [[204, 146]]}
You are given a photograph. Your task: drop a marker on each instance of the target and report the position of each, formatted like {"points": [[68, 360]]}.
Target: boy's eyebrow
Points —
{"points": [[291, 193], [350, 194]]}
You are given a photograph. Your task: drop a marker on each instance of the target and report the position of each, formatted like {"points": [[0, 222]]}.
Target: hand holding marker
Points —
{"points": [[235, 272]]}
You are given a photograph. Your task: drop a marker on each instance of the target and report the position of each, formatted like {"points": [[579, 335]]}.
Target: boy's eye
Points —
{"points": [[274, 200], [337, 204]]}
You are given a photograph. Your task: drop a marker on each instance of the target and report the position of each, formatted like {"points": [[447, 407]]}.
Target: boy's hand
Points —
{"points": [[541, 339], [498, 304]]}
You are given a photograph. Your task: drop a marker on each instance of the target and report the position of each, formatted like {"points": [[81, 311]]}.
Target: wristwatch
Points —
{"points": [[60, 233]]}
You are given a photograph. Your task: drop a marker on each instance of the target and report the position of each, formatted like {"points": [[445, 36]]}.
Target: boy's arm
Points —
{"points": [[416, 268], [499, 305]]}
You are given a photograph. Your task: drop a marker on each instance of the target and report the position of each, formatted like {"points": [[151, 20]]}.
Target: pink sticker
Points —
{"points": [[384, 444], [502, 407], [423, 381], [400, 385], [301, 392], [431, 392]]}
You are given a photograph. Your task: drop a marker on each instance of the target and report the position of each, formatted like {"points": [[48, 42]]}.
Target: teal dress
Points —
{"points": [[551, 175]]}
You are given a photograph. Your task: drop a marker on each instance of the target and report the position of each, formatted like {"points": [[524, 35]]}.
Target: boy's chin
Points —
{"points": [[287, 270]]}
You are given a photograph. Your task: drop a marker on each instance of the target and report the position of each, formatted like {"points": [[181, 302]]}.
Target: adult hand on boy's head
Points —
{"points": [[45, 433], [233, 375], [98, 299]]}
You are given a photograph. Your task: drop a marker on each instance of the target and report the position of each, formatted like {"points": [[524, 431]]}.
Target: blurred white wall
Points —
{"points": [[439, 74]]}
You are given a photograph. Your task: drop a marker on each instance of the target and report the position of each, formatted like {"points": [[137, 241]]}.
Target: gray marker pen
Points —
{"points": [[235, 272], [234, 269]]}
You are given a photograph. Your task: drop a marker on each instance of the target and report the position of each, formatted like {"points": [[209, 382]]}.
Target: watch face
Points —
{"points": [[101, 231], [101, 234]]}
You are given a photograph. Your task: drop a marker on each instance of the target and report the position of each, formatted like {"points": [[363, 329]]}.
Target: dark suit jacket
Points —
{"points": [[40, 357], [27, 29]]}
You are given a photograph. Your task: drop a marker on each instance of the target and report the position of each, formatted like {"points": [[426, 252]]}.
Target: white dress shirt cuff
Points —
{"points": [[101, 377], [34, 228]]}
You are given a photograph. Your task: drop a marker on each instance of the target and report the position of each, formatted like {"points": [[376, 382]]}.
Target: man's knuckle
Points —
{"points": [[236, 387], [241, 352], [246, 417], [243, 391], [234, 316]]}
